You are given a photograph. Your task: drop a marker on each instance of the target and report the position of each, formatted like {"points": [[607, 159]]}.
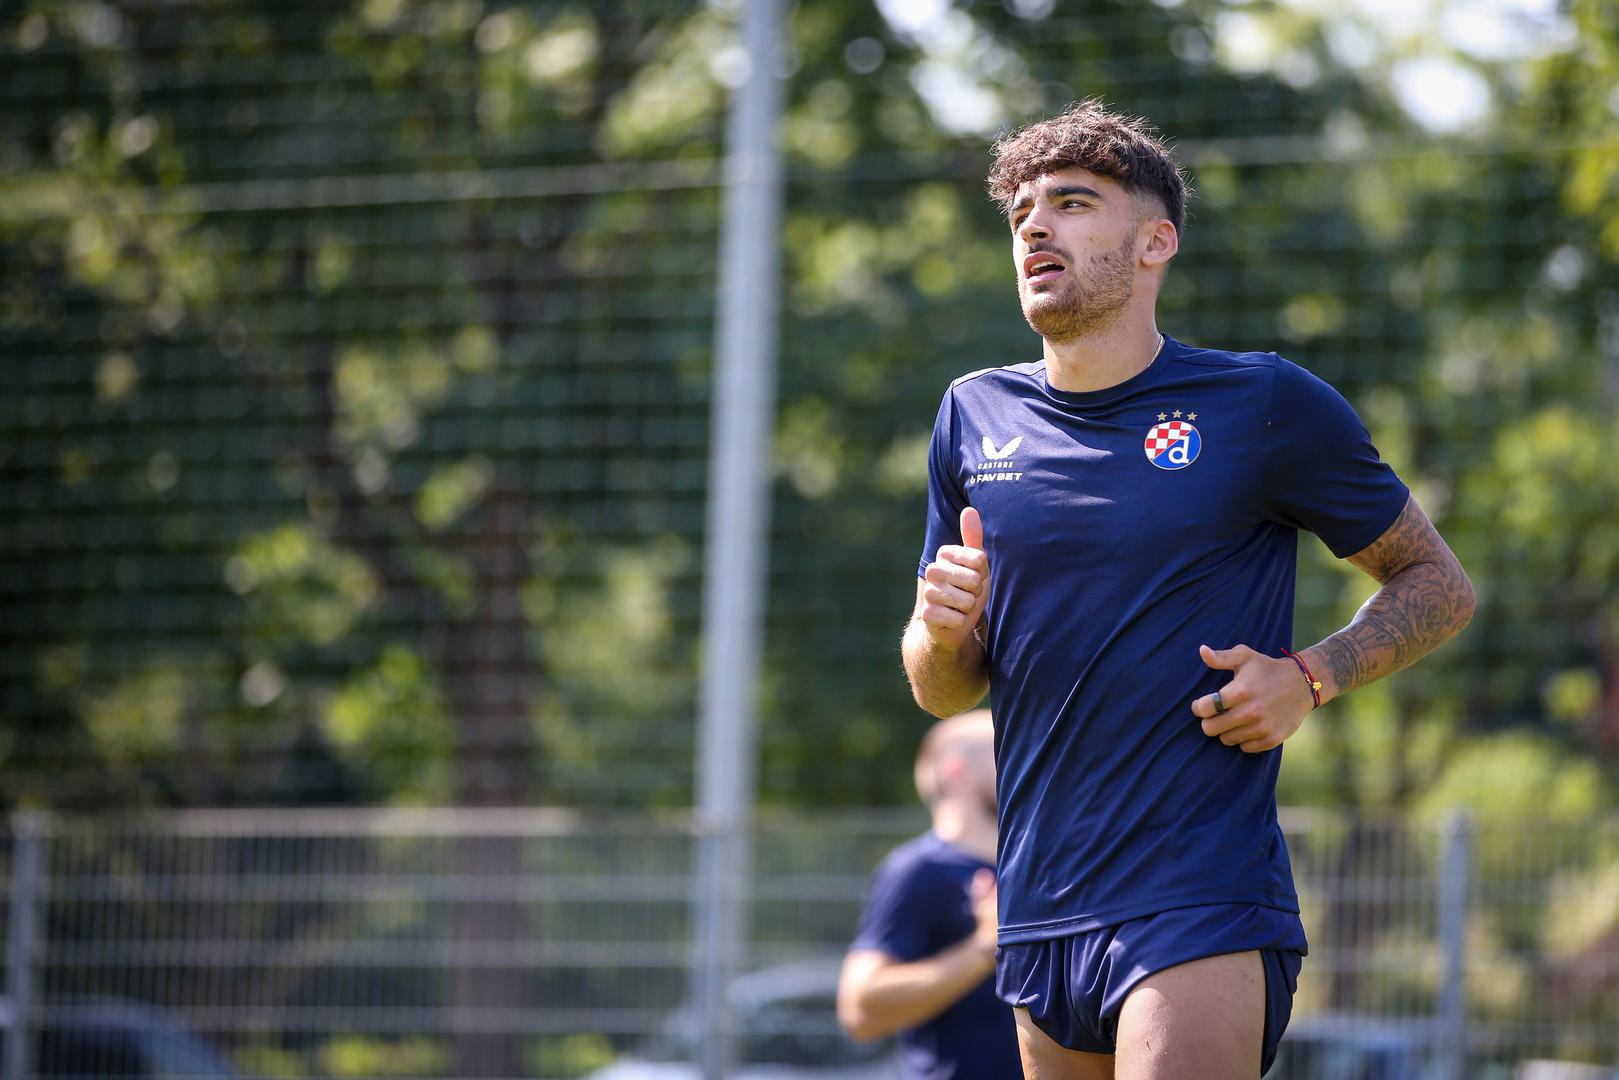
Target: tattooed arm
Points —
{"points": [[1425, 600]]}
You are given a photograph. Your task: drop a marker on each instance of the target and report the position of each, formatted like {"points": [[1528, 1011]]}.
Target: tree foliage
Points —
{"points": [[359, 359]]}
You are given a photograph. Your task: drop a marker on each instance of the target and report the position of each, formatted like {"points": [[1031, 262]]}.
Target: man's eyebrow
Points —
{"points": [[1062, 192], [1073, 189]]}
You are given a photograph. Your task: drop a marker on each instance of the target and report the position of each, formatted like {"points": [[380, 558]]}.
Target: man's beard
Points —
{"points": [[1092, 297]]}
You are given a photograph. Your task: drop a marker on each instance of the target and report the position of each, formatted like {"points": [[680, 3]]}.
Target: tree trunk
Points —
{"points": [[484, 658]]}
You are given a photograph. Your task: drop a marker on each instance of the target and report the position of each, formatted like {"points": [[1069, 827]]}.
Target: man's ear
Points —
{"points": [[1162, 243]]}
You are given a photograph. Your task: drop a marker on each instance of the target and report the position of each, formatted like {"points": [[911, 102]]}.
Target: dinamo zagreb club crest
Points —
{"points": [[1174, 445]]}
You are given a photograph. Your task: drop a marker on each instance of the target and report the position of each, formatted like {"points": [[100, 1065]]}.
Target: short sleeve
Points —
{"points": [[1321, 471], [945, 497], [900, 911]]}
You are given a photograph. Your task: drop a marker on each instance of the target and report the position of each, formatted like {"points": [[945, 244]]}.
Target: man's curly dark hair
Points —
{"points": [[1089, 135]]}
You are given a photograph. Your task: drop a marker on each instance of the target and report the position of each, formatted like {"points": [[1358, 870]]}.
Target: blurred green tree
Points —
{"points": [[357, 359]]}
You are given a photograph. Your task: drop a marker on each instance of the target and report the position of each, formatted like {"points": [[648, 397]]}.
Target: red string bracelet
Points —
{"points": [[1315, 687]]}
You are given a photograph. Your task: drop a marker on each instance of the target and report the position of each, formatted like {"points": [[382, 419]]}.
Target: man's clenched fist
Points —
{"points": [[957, 584]]}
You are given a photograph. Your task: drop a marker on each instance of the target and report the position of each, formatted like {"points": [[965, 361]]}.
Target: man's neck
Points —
{"points": [[1105, 356], [966, 828]]}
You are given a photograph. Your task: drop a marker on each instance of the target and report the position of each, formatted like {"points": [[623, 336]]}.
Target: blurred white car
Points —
{"points": [[788, 1019]]}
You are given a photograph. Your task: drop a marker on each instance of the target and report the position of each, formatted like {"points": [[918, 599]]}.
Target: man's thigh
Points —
{"points": [[1205, 1019], [1046, 1059]]}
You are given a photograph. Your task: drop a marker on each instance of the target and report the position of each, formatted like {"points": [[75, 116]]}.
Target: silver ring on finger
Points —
{"points": [[1219, 706]]}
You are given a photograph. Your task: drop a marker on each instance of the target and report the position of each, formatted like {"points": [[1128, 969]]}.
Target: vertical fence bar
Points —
{"points": [[1455, 878], [29, 835], [734, 568]]}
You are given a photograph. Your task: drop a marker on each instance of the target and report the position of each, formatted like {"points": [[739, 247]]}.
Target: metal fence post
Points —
{"points": [[29, 836], [1450, 1033], [738, 501]]}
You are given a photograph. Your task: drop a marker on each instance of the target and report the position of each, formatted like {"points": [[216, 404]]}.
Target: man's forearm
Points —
{"points": [[944, 681], [1417, 609], [902, 996]]}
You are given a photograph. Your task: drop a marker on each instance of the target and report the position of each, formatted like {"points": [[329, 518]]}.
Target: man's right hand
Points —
{"points": [[957, 585]]}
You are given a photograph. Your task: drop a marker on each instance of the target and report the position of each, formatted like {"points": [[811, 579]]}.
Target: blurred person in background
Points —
{"points": [[922, 960], [1111, 552]]}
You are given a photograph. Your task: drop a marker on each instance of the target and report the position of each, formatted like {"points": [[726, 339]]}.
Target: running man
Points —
{"points": [[1110, 552], [922, 960]]}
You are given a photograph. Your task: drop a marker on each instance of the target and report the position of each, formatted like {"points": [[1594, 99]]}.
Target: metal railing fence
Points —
{"points": [[539, 943]]}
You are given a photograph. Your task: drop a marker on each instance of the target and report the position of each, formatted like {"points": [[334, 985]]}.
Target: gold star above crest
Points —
{"points": [[1163, 416], [1191, 416], [1177, 414]]}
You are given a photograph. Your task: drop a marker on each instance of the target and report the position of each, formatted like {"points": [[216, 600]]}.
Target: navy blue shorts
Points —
{"points": [[1075, 986]]}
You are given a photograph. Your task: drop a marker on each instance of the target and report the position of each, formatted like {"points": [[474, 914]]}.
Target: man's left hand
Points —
{"points": [[1265, 701]]}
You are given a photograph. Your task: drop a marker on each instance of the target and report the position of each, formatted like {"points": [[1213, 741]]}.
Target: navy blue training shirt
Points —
{"points": [[1124, 528], [920, 902]]}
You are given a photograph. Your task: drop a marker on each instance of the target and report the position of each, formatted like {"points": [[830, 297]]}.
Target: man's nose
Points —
{"points": [[1033, 228]]}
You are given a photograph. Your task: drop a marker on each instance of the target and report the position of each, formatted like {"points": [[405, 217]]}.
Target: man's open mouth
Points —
{"points": [[1039, 267]]}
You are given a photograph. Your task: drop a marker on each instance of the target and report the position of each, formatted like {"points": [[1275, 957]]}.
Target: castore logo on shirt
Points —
{"points": [[999, 465], [1004, 452]]}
